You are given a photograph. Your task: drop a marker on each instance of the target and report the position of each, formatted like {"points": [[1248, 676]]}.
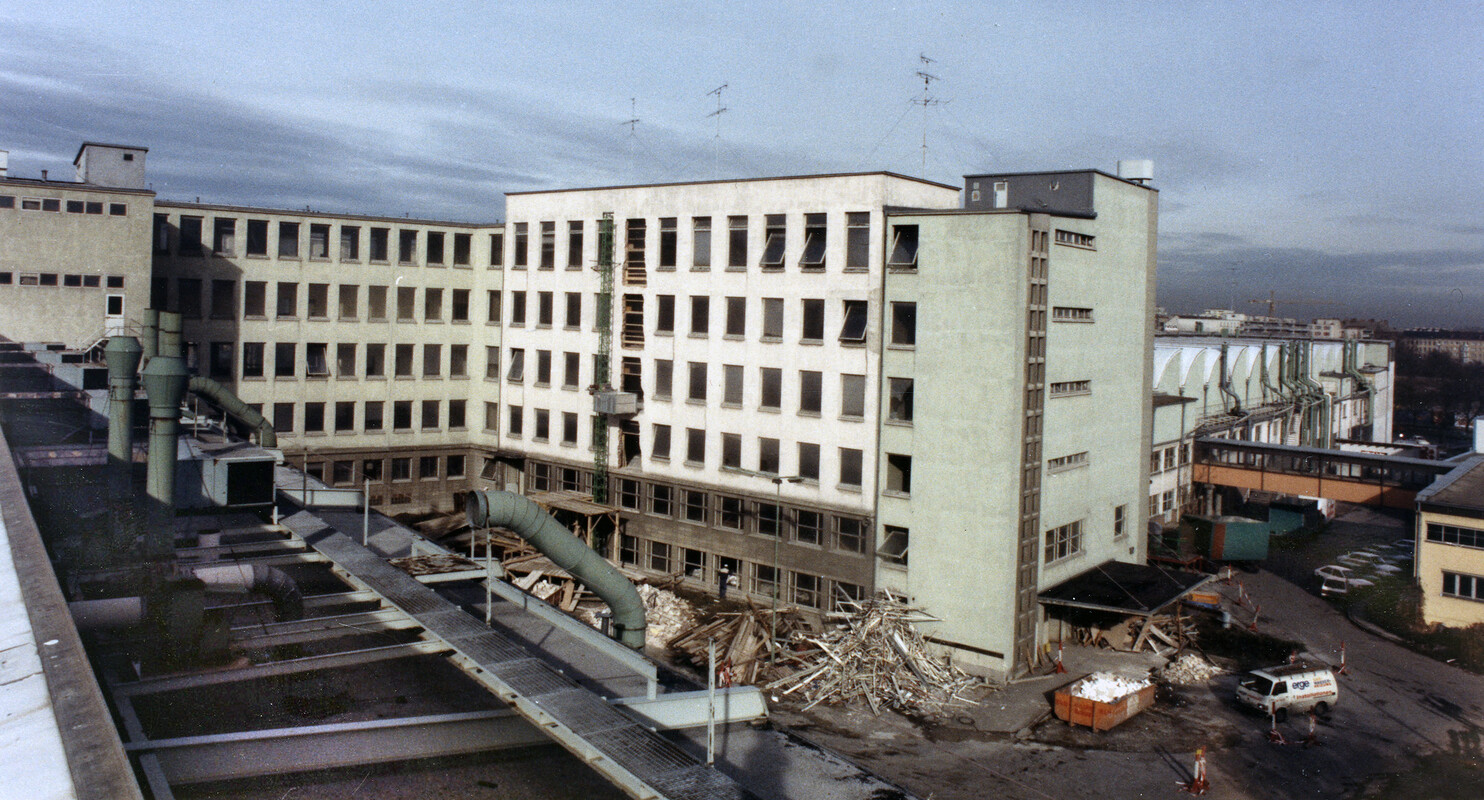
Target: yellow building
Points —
{"points": [[1450, 553]]}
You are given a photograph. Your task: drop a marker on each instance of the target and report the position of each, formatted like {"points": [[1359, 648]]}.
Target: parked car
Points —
{"points": [[1335, 579], [1366, 560]]}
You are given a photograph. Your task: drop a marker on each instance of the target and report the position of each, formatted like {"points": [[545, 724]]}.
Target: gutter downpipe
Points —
{"points": [[495, 508], [233, 405], [165, 380], [1315, 391], [1226, 384]]}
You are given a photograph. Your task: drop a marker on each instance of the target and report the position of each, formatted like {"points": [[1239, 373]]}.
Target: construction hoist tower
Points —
{"points": [[603, 386]]}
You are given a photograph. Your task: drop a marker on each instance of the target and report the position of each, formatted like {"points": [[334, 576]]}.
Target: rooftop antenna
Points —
{"points": [[927, 100], [716, 141], [632, 121]]}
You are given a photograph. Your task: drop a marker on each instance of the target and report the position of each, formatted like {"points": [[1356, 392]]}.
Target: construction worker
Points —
{"points": [[723, 577]]}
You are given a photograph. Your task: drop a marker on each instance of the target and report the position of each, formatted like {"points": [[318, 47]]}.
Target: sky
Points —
{"points": [[1329, 153]]}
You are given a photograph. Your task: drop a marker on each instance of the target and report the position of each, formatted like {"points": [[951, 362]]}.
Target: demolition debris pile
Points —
{"points": [[1188, 670], [744, 642], [666, 615], [876, 654], [1105, 687]]}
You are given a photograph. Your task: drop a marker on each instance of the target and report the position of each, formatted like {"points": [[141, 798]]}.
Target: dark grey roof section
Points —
{"points": [[1123, 588], [71, 186], [1060, 172], [1460, 490]]}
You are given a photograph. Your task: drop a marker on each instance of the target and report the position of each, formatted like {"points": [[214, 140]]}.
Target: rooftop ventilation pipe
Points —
{"points": [[150, 338], [1318, 418], [273, 583], [1362, 386], [122, 356], [232, 404], [165, 380], [529, 522], [1225, 383]]}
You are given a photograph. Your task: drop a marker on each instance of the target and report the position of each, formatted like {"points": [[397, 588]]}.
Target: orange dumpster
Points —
{"points": [[1098, 715]]}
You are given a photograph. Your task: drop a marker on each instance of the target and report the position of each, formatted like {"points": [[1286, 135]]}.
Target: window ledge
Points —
{"points": [[902, 347], [695, 402], [899, 423], [811, 341], [375, 377], [848, 487], [896, 493], [851, 418], [814, 414], [348, 319], [695, 335]]}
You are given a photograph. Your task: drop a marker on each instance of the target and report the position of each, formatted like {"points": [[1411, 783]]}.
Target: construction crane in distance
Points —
{"points": [[1274, 301]]}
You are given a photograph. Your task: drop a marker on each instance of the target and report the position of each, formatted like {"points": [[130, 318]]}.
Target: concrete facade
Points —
{"points": [[1450, 547]]}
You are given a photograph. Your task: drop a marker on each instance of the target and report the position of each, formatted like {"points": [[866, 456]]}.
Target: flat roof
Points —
{"points": [[1059, 172], [86, 145], [883, 173], [70, 185], [1123, 588]]}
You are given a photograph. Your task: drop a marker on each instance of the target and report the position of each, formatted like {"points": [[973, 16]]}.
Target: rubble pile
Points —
{"points": [[666, 615], [744, 642], [1188, 670], [875, 654], [1105, 687]]}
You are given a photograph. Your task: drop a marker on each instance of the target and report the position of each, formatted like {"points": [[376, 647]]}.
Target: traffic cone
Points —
{"points": [[1256, 612], [1198, 783], [1312, 740], [1060, 670], [1344, 667]]}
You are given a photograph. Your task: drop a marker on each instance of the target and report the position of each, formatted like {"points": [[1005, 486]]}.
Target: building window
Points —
{"points": [[764, 579], [1075, 239], [697, 386], [1120, 523], [497, 250], [1072, 461], [857, 240], [454, 467], [517, 418], [806, 590], [432, 361], [288, 240], [252, 359], [517, 308], [773, 242], [375, 360], [543, 425], [1070, 314], [771, 396], [376, 303], [402, 468], [283, 417], [517, 371], [372, 415], [731, 385], [731, 451], [402, 415], [814, 242], [850, 467], [288, 300], [573, 319], [571, 370], [701, 242], [659, 447], [767, 456], [903, 247], [434, 249], [772, 319], [693, 506], [898, 473], [118, 209], [188, 297], [811, 392], [407, 247], [522, 241], [543, 367], [1063, 542], [1455, 535], [700, 316], [380, 244], [319, 301], [853, 330], [904, 324], [895, 544], [319, 241], [314, 417], [491, 362], [569, 428], [813, 321], [345, 360], [345, 416], [664, 322], [574, 244], [1070, 388], [491, 417], [737, 242], [695, 447], [659, 557], [224, 236], [853, 396], [899, 407], [350, 243], [459, 312], [1462, 586], [427, 467], [432, 305], [349, 301], [664, 377], [283, 360], [221, 358], [808, 461], [190, 236], [402, 357], [736, 317], [808, 526]]}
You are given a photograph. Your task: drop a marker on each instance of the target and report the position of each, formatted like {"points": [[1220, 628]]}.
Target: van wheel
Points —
{"points": [[1321, 708], [1281, 715]]}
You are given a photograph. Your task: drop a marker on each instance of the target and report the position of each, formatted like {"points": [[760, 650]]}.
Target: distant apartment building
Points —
{"points": [[1463, 346], [825, 386]]}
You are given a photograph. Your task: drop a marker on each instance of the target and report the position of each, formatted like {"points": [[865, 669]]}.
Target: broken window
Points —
{"points": [[376, 360], [894, 545], [319, 241], [660, 449], [406, 303], [853, 329], [319, 300], [376, 302], [900, 408], [190, 236], [898, 473], [814, 242], [349, 295], [345, 360], [224, 236], [223, 299], [903, 247], [774, 241], [432, 360], [664, 377], [432, 304]]}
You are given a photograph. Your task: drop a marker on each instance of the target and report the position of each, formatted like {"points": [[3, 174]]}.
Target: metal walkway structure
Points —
{"points": [[637, 760], [1344, 475]]}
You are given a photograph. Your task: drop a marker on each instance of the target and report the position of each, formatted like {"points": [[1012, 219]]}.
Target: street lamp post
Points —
{"points": [[777, 559]]}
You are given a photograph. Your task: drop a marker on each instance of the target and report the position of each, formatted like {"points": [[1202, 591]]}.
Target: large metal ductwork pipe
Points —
{"points": [[165, 380], [273, 583], [150, 333], [529, 522], [233, 405], [122, 356]]}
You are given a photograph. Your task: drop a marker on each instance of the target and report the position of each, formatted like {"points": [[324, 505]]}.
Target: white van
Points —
{"points": [[1291, 687]]}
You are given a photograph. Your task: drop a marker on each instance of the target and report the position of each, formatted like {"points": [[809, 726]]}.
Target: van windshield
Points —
{"points": [[1257, 683]]}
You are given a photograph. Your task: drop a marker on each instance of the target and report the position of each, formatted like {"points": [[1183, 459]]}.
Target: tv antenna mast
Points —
{"points": [[716, 141], [927, 100], [632, 122]]}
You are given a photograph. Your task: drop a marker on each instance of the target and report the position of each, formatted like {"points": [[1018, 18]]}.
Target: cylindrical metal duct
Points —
{"points": [[115, 612], [232, 404], [165, 381], [529, 522], [122, 356], [150, 336], [169, 335]]}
